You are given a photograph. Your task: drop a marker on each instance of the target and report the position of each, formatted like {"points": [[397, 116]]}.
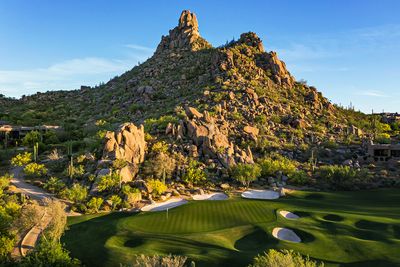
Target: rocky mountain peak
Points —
{"points": [[185, 36], [188, 23], [251, 39]]}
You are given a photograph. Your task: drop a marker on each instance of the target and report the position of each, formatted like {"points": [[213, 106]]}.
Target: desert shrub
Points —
{"points": [[108, 182], [341, 176], [284, 258], [54, 185], [115, 201], [156, 187], [50, 137], [94, 204], [54, 155], [75, 171], [246, 173], [5, 181], [383, 138], [77, 193], [161, 166], [261, 119], [330, 144], [159, 124], [159, 261], [119, 164], [134, 196], [160, 147], [299, 178], [31, 138], [194, 174], [270, 166], [21, 159], [35, 170], [275, 119]]}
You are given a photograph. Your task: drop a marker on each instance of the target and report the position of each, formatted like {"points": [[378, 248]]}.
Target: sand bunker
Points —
{"points": [[169, 204], [212, 196], [260, 194], [288, 215], [285, 235]]}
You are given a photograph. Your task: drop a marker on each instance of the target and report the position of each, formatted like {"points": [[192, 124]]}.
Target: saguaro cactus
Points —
{"points": [[35, 151]]}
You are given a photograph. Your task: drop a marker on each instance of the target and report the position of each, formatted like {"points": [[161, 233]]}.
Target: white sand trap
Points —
{"points": [[285, 235], [260, 194], [289, 215], [169, 204], [212, 196]]}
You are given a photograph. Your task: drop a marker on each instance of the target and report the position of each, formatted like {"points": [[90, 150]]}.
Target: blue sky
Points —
{"points": [[349, 50]]}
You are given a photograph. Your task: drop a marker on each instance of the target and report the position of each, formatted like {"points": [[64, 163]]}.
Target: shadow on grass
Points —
{"points": [[86, 240], [304, 236], [370, 225], [333, 217], [302, 214], [396, 231], [314, 196], [373, 263]]}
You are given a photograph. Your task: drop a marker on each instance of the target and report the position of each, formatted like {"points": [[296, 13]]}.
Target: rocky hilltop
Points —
{"points": [[222, 106]]}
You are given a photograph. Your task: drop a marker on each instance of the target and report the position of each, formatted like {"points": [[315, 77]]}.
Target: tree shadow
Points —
{"points": [[86, 240], [333, 217], [370, 225]]}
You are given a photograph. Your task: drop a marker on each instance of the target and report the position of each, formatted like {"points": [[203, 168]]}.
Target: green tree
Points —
{"points": [[160, 166], [31, 138], [246, 173]]}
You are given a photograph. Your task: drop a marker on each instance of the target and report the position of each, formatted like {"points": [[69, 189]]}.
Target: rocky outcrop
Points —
{"points": [[212, 141], [270, 62], [185, 36], [251, 39], [126, 143]]}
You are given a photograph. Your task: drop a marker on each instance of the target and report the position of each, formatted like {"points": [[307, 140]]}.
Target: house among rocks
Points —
{"points": [[388, 117], [384, 152], [18, 132]]}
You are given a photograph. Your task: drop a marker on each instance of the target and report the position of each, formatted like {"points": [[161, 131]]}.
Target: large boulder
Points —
{"points": [[126, 143]]}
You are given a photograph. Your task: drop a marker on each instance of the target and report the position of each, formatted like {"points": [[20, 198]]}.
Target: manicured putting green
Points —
{"points": [[340, 228]]}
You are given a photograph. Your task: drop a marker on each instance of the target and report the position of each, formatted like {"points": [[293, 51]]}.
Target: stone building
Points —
{"points": [[384, 152]]}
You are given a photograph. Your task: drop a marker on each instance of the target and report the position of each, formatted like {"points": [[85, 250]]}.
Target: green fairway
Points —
{"points": [[340, 228]]}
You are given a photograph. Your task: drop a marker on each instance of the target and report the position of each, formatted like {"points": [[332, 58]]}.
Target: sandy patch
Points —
{"points": [[288, 215], [212, 196], [260, 194], [285, 235], [169, 204]]}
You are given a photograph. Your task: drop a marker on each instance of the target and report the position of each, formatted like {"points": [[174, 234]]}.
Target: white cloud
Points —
{"points": [[139, 47], [69, 74], [373, 93]]}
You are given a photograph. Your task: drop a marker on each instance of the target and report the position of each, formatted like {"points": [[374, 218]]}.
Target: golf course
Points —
{"points": [[340, 228]]}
